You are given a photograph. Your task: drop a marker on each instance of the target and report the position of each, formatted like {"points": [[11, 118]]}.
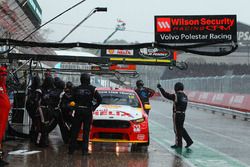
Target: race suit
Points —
{"points": [[144, 94], [4, 102], [179, 107], [32, 105], [66, 98], [83, 96], [45, 116], [56, 113]]}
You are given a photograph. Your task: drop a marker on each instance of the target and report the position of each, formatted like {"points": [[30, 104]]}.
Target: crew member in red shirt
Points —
{"points": [[4, 109]]}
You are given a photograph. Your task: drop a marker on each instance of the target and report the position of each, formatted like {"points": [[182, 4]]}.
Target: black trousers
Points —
{"points": [[32, 111], [180, 131], [57, 114], [42, 126], [81, 116]]}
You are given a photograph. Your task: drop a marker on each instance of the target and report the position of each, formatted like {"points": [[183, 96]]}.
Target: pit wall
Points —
{"points": [[240, 102]]}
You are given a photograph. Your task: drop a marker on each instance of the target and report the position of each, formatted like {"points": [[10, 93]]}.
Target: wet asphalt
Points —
{"points": [[218, 141]]}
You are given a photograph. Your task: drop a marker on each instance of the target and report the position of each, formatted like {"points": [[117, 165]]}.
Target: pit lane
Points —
{"points": [[218, 141]]}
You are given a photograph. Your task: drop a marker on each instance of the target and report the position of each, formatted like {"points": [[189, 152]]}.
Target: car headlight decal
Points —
{"points": [[140, 120]]}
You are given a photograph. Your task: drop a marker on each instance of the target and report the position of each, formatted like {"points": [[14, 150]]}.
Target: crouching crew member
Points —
{"points": [[44, 111], [83, 96], [66, 98], [32, 104], [55, 100], [179, 107]]}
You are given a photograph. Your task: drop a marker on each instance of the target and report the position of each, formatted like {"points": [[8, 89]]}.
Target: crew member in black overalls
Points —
{"points": [[65, 98], [83, 96], [144, 93], [54, 105], [32, 104], [180, 101], [44, 111]]}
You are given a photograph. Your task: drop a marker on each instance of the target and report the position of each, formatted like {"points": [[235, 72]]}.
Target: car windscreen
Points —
{"points": [[120, 98]]}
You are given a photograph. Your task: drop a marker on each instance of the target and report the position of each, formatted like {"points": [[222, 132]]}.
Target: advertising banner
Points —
{"points": [[146, 56], [195, 29], [122, 67], [146, 53]]}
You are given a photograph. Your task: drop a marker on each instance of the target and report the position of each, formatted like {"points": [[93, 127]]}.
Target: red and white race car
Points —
{"points": [[120, 118]]}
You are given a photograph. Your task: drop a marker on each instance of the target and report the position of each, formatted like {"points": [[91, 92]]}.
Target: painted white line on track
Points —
{"points": [[212, 132], [173, 151], [198, 145]]}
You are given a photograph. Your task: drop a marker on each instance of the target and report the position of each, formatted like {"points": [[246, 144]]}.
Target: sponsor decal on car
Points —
{"points": [[111, 106], [103, 112], [137, 128], [140, 136]]}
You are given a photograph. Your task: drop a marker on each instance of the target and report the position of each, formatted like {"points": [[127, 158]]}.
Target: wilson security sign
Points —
{"points": [[195, 29]]}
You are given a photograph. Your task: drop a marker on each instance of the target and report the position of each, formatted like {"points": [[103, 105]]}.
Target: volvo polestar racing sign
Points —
{"points": [[195, 29]]}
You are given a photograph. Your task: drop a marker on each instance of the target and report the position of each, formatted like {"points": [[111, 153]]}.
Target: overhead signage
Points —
{"points": [[119, 52], [195, 29], [75, 66], [122, 67], [159, 53], [156, 56], [145, 53]]}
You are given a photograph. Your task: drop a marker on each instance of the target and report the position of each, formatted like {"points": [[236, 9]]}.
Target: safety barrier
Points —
{"points": [[226, 103], [238, 102]]}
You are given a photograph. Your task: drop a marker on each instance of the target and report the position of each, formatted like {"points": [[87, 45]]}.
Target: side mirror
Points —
{"points": [[147, 106]]}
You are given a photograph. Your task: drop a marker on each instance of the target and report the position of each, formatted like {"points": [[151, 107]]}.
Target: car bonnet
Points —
{"points": [[117, 112]]}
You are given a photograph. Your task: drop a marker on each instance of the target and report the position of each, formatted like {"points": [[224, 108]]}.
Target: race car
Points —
{"points": [[120, 118]]}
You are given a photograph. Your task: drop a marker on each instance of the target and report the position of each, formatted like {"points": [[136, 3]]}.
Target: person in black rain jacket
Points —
{"points": [[180, 101], [83, 96]]}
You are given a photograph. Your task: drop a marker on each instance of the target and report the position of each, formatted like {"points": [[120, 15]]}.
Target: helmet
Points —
{"points": [[3, 70], [56, 79], [139, 83], [85, 79], [35, 83], [178, 86], [61, 84], [48, 83], [47, 73], [3, 75], [69, 85], [57, 82]]}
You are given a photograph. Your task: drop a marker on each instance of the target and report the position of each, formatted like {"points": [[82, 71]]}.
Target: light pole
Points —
{"points": [[119, 27], [97, 9]]}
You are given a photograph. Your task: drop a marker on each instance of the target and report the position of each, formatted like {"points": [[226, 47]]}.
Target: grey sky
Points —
{"points": [[137, 14]]}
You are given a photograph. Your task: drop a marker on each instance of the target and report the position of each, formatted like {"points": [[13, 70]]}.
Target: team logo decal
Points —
{"points": [[110, 51], [137, 128], [163, 24]]}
